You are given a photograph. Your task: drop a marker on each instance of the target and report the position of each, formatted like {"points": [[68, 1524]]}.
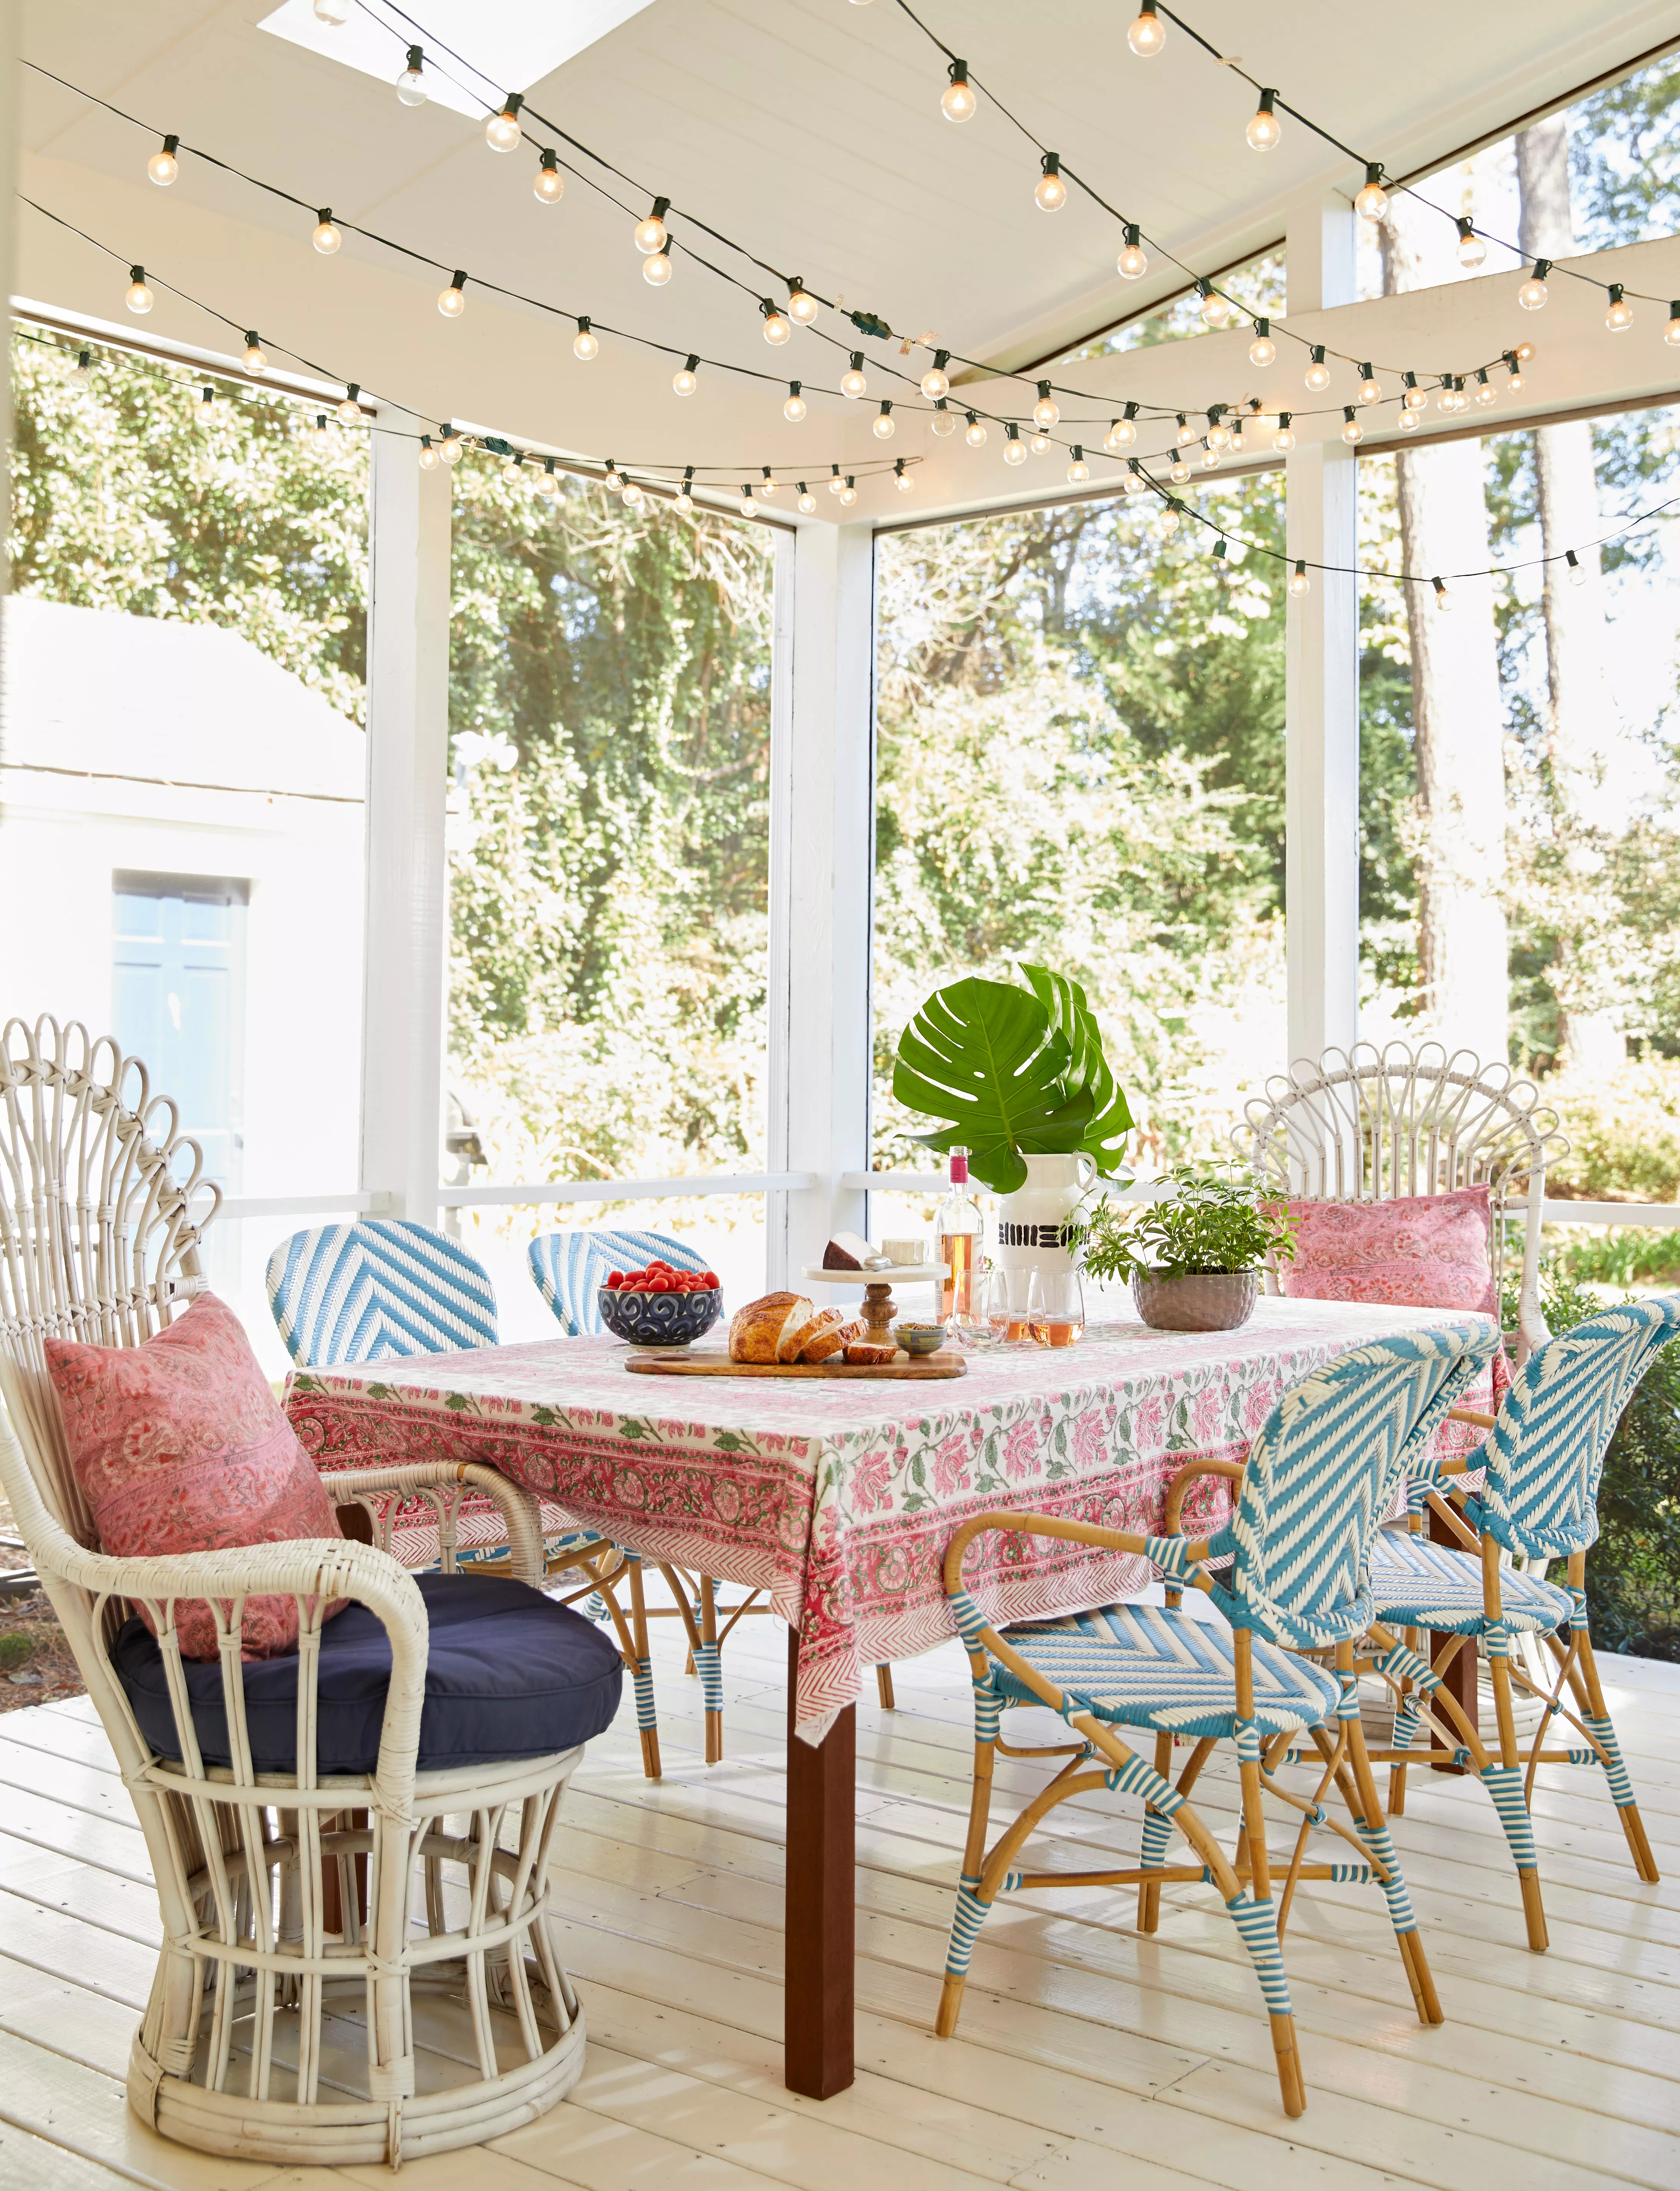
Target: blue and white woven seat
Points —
{"points": [[1538, 1502], [1415, 1584], [1319, 1476], [1155, 1666]]}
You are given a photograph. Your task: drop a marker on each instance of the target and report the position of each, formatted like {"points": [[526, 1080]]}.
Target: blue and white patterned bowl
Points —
{"points": [[660, 1319]]}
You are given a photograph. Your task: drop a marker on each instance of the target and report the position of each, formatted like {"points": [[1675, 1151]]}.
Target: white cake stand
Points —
{"points": [[878, 1311]]}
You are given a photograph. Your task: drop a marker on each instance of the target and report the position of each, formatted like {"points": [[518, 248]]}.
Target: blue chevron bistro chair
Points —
{"points": [[570, 1267], [1317, 1482], [1539, 1502], [384, 1288]]}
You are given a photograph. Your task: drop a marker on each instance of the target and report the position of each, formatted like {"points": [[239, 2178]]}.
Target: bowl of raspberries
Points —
{"points": [[658, 1306]]}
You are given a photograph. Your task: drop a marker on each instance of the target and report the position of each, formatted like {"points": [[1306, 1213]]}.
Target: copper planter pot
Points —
{"points": [[1206, 1300]]}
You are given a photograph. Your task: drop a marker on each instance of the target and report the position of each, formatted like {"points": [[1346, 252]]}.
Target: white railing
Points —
{"points": [[353, 1202], [530, 1193]]}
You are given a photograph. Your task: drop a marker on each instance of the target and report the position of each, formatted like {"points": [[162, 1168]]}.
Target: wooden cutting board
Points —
{"points": [[715, 1364]]}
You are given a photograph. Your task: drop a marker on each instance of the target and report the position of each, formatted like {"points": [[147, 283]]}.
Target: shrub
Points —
{"points": [[1623, 1134]]}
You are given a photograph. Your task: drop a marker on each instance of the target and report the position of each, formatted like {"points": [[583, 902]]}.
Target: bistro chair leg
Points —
{"points": [[641, 1674], [970, 1909], [1603, 1728], [884, 1688], [1157, 1837], [709, 1660], [1373, 1830]]}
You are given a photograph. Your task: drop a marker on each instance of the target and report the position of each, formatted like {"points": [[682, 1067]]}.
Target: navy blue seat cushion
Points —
{"points": [[509, 1674]]}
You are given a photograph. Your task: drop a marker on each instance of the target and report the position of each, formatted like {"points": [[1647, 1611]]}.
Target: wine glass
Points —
{"points": [[1008, 1298], [971, 1323], [1055, 1311]]}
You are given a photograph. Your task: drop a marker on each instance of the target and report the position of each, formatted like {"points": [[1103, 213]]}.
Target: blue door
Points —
{"points": [[177, 996]]}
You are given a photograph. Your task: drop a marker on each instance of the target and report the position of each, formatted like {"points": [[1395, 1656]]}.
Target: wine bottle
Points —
{"points": [[958, 1228]]}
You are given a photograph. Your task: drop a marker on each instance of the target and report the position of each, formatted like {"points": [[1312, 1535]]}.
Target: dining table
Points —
{"points": [[837, 1498]]}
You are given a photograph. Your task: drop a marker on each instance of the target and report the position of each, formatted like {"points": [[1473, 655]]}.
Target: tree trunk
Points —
{"points": [[1457, 712], [1568, 496]]}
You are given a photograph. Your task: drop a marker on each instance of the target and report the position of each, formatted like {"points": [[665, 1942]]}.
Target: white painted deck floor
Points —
{"points": [[1087, 2057]]}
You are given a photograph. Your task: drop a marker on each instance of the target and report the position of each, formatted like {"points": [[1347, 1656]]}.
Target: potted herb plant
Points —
{"points": [[1194, 1258]]}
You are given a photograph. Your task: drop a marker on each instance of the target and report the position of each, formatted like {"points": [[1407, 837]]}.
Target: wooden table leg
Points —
{"points": [[1460, 1679], [820, 1950]]}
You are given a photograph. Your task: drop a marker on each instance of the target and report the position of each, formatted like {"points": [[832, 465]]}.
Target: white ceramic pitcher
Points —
{"points": [[1034, 1222]]}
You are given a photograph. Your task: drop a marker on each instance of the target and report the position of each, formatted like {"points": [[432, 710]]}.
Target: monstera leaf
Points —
{"points": [[985, 1055], [1088, 1073]]}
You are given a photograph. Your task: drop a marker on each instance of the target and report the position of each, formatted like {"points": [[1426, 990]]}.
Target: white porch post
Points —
{"points": [[822, 855], [1322, 684], [407, 786]]}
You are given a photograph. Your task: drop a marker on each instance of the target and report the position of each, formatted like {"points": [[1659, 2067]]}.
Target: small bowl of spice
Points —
{"points": [[920, 1338]]}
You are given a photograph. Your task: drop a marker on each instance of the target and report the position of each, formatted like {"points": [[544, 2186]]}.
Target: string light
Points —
{"points": [[1040, 445], [350, 410], [1015, 449], [548, 183], [1284, 440], [502, 132], [139, 298], [936, 382], [411, 86], [1372, 202], [807, 500], [545, 483], [1122, 433], [944, 420], [1671, 333], [1444, 599], [1262, 351], [1219, 433], [1187, 432], [450, 448], [771, 482], [1210, 459], [685, 500], [1577, 568], [1485, 390], [319, 428], [205, 400], [1317, 373], [1169, 520], [1414, 399], [1180, 470], [1133, 261], [1620, 313], [656, 269], [1078, 470], [848, 494], [1352, 432], [450, 302], [631, 495], [1408, 422], [1046, 411], [801, 303], [883, 427], [1146, 37], [794, 409], [83, 366], [1369, 390], [686, 378], [1221, 569], [852, 381], [326, 238], [957, 99], [614, 477], [1531, 293], [1472, 251], [1265, 129], [1300, 584], [585, 344], [1215, 309], [1134, 481], [164, 166], [777, 327], [254, 359], [1051, 192], [836, 484], [903, 476]]}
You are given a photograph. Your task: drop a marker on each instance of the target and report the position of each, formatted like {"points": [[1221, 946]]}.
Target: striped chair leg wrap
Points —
{"points": [[641, 1678], [971, 1917], [709, 1665], [1621, 1786], [1135, 1778], [1257, 1922], [594, 1607], [1157, 1839], [1402, 1664], [1406, 1720], [988, 1708], [1504, 1782], [1377, 1840]]}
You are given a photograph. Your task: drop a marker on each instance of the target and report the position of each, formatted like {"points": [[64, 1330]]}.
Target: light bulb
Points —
{"points": [[1051, 192], [655, 270], [428, 454], [905, 482], [451, 303], [1370, 390], [1485, 390], [83, 367], [349, 411], [254, 359], [450, 448], [1472, 251], [1284, 440], [852, 382], [1136, 483], [502, 131], [1523, 353], [1317, 373], [944, 421], [1408, 422], [1262, 351], [1181, 471], [685, 500], [1415, 398], [1046, 411], [1237, 444], [652, 235], [1215, 309], [957, 99], [614, 477], [1040, 445], [1443, 396], [976, 434], [1444, 599], [1577, 569], [802, 304], [1671, 333], [319, 428], [331, 12], [139, 298], [1133, 261], [686, 379], [1219, 435], [1078, 470], [772, 485], [1620, 313], [631, 495], [807, 501], [1186, 433], [545, 482], [1265, 129], [326, 238], [934, 384], [848, 494], [585, 344], [1372, 202], [1209, 460], [1146, 37], [1120, 435], [1015, 449], [882, 427], [1351, 431], [794, 409], [777, 327], [1532, 293], [164, 166], [547, 183], [1170, 522], [1300, 583], [836, 484], [410, 85], [1514, 385], [746, 505]]}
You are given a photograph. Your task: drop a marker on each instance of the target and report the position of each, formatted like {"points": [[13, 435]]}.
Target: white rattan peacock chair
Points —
{"points": [[248, 2046], [1370, 1125]]}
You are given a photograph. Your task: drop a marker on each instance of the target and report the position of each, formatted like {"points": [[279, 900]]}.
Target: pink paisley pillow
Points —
{"points": [[180, 1446], [1423, 1251]]}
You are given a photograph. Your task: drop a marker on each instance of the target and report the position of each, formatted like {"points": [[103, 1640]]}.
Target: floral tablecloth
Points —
{"points": [[839, 1498]]}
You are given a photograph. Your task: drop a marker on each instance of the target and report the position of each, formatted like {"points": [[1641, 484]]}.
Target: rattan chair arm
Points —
{"points": [[519, 1508], [1470, 1415], [1232, 1471], [1048, 1525]]}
